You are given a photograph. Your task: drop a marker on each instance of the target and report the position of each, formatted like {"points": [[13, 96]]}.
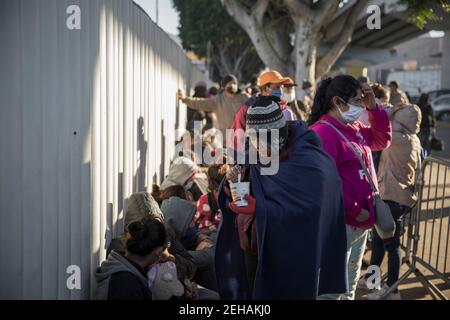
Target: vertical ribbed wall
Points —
{"points": [[87, 117]]}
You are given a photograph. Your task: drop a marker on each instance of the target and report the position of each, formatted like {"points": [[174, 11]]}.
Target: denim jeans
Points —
{"points": [[356, 245], [392, 245]]}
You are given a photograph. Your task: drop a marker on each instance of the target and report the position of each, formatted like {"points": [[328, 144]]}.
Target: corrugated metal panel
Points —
{"points": [[87, 117]]}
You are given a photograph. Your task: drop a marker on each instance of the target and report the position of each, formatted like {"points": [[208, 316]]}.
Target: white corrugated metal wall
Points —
{"points": [[87, 117]]}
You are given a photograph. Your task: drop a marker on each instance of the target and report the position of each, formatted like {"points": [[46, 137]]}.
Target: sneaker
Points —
{"points": [[380, 295], [362, 284]]}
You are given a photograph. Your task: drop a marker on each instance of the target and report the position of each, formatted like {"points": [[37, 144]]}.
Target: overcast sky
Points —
{"points": [[168, 17]]}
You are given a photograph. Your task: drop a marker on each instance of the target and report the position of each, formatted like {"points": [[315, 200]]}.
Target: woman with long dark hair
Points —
{"points": [[338, 104]]}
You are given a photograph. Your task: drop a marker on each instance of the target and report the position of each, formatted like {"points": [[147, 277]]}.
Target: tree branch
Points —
{"points": [[252, 23], [239, 61], [325, 11], [259, 9], [237, 11], [329, 59], [299, 8]]}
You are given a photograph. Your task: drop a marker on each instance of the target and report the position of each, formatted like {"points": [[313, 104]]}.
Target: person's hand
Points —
{"points": [[368, 99], [363, 216], [250, 209], [180, 95], [190, 290], [189, 195], [204, 245], [166, 257]]}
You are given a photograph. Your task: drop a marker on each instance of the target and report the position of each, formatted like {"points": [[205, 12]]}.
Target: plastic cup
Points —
{"points": [[238, 191]]}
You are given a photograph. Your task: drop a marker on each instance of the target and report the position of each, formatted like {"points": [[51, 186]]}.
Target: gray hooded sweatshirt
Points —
{"points": [[179, 214], [114, 264]]}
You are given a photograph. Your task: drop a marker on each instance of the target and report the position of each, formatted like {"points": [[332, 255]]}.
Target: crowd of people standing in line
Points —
{"points": [[303, 231]]}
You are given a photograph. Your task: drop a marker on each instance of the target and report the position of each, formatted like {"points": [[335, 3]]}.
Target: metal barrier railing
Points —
{"points": [[427, 234]]}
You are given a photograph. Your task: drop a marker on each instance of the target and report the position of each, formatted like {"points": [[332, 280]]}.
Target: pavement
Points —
{"points": [[433, 247]]}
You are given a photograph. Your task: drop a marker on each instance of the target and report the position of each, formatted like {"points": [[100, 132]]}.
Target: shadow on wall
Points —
{"points": [[65, 93], [139, 177], [163, 152]]}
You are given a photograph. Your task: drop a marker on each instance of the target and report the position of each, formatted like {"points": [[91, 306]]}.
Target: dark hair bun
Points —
{"points": [[138, 230], [145, 235]]}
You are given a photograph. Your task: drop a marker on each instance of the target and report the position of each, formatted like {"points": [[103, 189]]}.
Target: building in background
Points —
{"points": [[416, 65]]}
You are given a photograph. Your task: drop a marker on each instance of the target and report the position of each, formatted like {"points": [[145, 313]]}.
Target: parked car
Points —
{"points": [[432, 95], [441, 107]]}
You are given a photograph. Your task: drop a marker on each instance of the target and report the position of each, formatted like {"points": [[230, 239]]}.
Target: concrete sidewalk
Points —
{"points": [[412, 288]]}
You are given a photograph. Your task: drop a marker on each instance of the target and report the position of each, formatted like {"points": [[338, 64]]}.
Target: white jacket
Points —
{"points": [[399, 162]]}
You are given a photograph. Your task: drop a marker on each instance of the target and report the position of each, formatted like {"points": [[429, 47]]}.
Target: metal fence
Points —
{"points": [[88, 117], [427, 234]]}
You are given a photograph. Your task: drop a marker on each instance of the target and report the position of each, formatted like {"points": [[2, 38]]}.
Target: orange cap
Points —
{"points": [[290, 82], [271, 77]]}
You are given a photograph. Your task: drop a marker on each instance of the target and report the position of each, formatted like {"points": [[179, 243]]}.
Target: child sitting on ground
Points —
{"points": [[208, 214]]}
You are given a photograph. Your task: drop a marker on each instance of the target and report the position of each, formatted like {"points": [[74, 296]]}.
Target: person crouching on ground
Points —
{"points": [[124, 277], [208, 214]]}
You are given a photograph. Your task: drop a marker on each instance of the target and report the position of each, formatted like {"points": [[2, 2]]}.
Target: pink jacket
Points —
{"points": [[358, 194]]}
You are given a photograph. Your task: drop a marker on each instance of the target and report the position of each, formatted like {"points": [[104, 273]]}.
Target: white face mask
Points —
{"points": [[288, 97], [352, 114]]}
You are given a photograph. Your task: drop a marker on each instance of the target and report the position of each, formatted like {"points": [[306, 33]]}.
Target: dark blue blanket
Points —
{"points": [[300, 229]]}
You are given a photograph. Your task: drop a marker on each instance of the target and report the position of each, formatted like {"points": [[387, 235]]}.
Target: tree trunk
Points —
{"points": [[304, 55], [264, 47], [303, 62]]}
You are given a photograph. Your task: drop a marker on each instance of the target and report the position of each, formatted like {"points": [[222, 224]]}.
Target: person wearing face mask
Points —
{"points": [[179, 214], [289, 241], [382, 96], [290, 98], [271, 84], [337, 107], [224, 105], [124, 276]]}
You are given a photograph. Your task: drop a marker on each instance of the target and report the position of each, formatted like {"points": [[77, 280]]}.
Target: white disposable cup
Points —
{"points": [[238, 191]]}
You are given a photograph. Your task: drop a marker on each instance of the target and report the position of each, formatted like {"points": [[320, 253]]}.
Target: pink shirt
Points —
{"points": [[357, 192]]}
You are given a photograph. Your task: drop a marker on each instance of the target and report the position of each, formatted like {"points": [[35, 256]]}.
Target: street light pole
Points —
{"points": [[157, 12]]}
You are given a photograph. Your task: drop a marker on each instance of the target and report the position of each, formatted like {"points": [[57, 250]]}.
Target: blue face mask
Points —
{"points": [[276, 93]]}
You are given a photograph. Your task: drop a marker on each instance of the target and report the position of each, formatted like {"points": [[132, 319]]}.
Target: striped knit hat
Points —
{"points": [[265, 114]]}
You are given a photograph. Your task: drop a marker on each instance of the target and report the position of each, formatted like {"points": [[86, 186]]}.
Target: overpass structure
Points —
{"points": [[371, 47]]}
